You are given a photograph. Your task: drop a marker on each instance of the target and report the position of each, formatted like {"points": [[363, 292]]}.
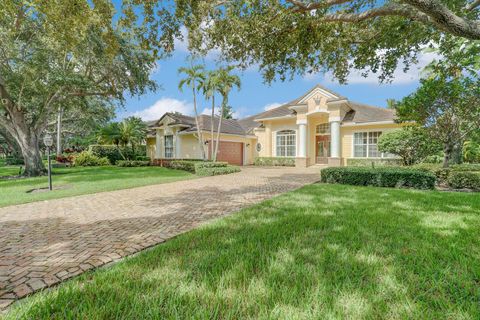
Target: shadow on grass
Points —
{"points": [[323, 251]]}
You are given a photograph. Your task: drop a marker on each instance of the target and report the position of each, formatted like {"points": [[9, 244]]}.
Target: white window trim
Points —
{"points": [[172, 147], [367, 157], [274, 140]]}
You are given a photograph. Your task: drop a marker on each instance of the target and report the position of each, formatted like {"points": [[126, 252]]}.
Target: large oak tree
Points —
{"points": [[57, 53]]}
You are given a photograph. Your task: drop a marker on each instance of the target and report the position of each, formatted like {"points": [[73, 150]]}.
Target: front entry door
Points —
{"points": [[322, 149]]}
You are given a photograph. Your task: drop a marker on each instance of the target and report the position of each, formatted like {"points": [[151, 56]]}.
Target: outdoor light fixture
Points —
{"points": [[48, 141]]}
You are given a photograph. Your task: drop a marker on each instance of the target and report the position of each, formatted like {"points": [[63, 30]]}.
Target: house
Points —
{"points": [[320, 127]]}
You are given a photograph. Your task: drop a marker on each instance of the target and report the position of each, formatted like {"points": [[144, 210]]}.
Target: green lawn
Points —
{"points": [[321, 252], [82, 180]]}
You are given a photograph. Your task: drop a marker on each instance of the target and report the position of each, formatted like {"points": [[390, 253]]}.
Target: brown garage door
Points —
{"points": [[231, 152]]}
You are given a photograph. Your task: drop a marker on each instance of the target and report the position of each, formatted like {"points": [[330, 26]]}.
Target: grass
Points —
{"points": [[82, 180], [321, 252]]}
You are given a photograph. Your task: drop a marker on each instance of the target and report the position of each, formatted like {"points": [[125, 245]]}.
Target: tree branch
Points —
{"points": [[473, 5], [429, 12]]}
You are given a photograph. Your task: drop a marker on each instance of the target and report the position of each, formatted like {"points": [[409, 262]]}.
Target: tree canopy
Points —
{"points": [[285, 37], [447, 107], [57, 53]]}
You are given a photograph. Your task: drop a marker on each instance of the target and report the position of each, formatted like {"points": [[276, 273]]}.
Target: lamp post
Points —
{"points": [[48, 141]]}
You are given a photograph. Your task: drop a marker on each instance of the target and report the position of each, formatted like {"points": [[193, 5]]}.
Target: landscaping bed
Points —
{"points": [[380, 177], [203, 168]]}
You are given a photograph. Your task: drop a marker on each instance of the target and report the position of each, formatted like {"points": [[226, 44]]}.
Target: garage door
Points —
{"points": [[231, 152]]}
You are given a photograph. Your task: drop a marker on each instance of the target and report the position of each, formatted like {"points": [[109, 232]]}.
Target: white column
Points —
{"points": [[335, 137], [178, 147], [302, 139], [158, 145]]}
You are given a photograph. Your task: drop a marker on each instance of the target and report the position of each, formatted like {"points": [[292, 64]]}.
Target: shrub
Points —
{"points": [[114, 153], [433, 159], [65, 159], [373, 162], [88, 159], [379, 177], [201, 165], [464, 180], [274, 161], [185, 165], [466, 167], [132, 163], [143, 158], [14, 161], [411, 143], [214, 171], [440, 173]]}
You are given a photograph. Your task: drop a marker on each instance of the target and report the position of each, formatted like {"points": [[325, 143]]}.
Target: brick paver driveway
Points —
{"points": [[43, 243]]}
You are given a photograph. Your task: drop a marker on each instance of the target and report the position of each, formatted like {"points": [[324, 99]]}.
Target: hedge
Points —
{"points": [[203, 168], [114, 153], [373, 162], [214, 171], [88, 159], [392, 177], [464, 180], [13, 161], [274, 161], [440, 173], [473, 167], [185, 165], [132, 163], [201, 165]]}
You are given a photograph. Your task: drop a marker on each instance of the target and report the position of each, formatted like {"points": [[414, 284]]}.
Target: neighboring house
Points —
{"points": [[320, 127]]}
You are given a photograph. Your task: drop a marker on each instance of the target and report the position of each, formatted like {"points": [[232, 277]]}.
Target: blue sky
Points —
{"points": [[255, 96]]}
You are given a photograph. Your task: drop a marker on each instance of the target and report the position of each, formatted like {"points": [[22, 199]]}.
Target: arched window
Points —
{"points": [[286, 143], [323, 128]]}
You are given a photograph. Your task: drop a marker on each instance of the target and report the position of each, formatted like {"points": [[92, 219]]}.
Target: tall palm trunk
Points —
{"points": [[211, 128], [218, 131], [59, 130], [199, 132]]}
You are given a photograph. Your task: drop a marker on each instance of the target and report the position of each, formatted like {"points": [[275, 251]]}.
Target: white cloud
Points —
{"points": [[399, 76], [160, 107], [273, 105]]}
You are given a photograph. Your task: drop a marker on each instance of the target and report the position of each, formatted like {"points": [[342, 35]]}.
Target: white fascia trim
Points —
{"points": [[342, 101], [317, 112], [215, 133], [299, 108], [315, 91], [276, 118], [355, 124]]}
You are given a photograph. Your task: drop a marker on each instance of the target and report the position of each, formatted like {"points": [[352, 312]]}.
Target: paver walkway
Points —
{"points": [[46, 242]]}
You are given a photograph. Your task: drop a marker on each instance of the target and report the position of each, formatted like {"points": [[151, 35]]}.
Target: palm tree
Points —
{"points": [[226, 82], [194, 79], [132, 132], [210, 87], [110, 134]]}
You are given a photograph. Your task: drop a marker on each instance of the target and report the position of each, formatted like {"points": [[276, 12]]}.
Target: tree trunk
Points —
{"points": [[59, 130], [447, 150], [28, 143], [199, 132], [211, 127], [27, 138], [217, 142]]}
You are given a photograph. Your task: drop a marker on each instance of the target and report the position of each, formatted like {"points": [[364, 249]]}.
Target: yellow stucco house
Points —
{"points": [[320, 127]]}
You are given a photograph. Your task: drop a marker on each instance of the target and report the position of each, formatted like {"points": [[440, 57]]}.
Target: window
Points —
{"points": [[323, 128], [286, 142], [168, 146], [365, 145], [259, 147]]}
